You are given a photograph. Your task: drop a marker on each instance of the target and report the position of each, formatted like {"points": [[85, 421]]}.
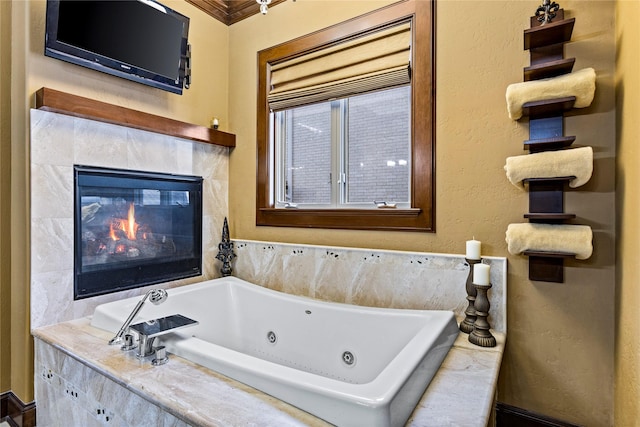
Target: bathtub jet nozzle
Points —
{"points": [[156, 296]]}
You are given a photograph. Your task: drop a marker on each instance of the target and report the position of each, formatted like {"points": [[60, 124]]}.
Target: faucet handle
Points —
{"points": [[129, 344], [161, 356]]}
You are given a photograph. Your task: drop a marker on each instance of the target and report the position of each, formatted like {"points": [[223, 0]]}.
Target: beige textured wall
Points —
{"points": [[20, 348], [207, 97], [559, 358], [5, 157], [627, 356]]}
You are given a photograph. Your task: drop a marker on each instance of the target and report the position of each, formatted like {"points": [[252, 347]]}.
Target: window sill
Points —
{"points": [[413, 219]]}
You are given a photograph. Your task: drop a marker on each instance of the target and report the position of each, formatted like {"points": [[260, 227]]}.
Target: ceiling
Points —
{"points": [[230, 11]]}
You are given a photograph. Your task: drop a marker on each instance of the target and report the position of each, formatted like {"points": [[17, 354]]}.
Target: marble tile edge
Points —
{"points": [[364, 250]]}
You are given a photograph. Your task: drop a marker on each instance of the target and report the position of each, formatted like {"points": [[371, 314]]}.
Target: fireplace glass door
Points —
{"points": [[134, 229]]}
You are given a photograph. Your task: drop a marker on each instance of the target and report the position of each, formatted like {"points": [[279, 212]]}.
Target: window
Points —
{"points": [[323, 160], [349, 153]]}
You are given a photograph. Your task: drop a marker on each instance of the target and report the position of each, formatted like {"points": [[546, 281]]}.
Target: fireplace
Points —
{"points": [[134, 229]]}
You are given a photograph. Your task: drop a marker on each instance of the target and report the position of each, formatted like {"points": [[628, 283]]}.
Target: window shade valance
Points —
{"points": [[375, 61]]}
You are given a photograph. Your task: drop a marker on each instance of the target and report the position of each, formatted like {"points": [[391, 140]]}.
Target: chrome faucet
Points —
{"points": [[156, 296], [148, 331]]}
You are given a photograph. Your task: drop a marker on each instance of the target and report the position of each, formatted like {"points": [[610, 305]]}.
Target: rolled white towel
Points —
{"points": [[581, 84], [576, 162], [566, 238]]}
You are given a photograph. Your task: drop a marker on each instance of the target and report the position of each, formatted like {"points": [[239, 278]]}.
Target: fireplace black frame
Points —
{"points": [[147, 272]]}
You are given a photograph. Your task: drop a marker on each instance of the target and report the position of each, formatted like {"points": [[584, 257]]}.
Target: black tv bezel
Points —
{"points": [[79, 56]]}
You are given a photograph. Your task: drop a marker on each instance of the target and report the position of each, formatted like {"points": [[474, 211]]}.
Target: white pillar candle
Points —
{"points": [[481, 274], [473, 249]]}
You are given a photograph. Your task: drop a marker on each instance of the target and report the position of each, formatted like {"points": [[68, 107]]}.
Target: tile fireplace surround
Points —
{"points": [[57, 143]]}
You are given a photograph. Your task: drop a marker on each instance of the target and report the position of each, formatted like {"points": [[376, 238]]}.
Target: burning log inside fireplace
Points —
{"points": [[108, 238], [127, 226]]}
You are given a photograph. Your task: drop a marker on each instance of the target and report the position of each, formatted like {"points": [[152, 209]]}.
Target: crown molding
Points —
{"points": [[230, 11]]}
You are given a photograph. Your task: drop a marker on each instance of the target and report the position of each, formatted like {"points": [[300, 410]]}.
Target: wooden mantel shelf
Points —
{"points": [[77, 106]]}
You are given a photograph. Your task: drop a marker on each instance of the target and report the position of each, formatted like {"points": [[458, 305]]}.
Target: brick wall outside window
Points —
{"points": [[379, 160]]}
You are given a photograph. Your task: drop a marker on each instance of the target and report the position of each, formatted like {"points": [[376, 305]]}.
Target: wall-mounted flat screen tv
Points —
{"points": [[139, 40]]}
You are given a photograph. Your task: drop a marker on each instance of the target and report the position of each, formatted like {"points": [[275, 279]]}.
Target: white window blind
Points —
{"points": [[372, 62]]}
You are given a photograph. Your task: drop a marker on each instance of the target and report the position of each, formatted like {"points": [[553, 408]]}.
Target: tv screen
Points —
{"points": [[140, 40]]}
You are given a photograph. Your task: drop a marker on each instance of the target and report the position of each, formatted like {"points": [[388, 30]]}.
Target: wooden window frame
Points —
{"points": [[421, 215]]}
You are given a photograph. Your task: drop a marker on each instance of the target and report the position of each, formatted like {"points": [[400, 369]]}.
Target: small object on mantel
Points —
{"points": [[215, 123], [225, 251]]}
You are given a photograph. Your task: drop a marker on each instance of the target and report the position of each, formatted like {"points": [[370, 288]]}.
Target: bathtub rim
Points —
{"points": [[376, 393]]}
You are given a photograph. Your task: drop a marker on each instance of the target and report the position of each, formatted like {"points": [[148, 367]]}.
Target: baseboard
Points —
{"points": [[22, 414], [511, 416]]}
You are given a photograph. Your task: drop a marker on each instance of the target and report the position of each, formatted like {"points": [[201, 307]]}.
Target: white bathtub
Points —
{"points": [[298, 349]]}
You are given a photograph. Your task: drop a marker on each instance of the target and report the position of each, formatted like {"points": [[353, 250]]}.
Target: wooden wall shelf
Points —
{"points": [[550, 254], [550, 107], [549, 69], [546, 133], [549, 218], [547, 144], [549, 34], [77, 106], [546, 42]]}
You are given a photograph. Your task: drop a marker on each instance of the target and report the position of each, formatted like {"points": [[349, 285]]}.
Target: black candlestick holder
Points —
{"points": [[480, 334], [466, 325]]}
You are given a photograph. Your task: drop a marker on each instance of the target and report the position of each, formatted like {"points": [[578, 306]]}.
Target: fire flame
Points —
{"points": [[129, 225]]}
